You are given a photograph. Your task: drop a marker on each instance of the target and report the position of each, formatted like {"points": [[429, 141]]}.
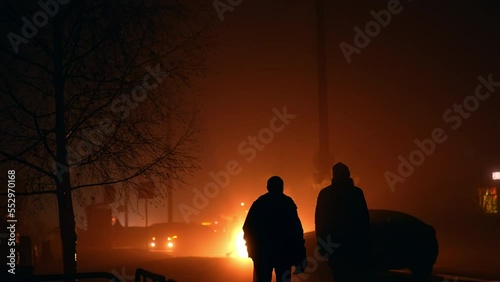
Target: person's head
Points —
{"points": [[341, 171], [275, 184]]}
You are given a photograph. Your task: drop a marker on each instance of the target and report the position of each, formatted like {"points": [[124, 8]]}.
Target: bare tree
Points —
{"points": [[92, 96]]}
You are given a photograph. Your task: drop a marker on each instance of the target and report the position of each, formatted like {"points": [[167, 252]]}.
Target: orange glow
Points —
{"points": [[241, 247]]}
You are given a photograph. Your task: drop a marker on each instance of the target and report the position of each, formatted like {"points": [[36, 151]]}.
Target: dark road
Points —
{"points": [[463, 256], [194, 269]]}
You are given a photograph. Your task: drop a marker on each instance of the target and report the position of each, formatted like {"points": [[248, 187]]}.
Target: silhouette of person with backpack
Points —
{"points": [[274, 235], [342, 218]]}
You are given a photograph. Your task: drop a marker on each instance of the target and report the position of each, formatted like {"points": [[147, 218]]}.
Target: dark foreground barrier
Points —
{"points": [[62, 277], [149, 276], [141, 275]]}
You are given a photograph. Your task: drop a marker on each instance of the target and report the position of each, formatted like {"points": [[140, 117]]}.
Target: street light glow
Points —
{"points": [[496, 175]]}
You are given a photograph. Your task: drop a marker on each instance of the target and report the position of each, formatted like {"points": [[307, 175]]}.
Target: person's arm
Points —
{"points": [[366, 219], [363, 233], [298, 231], [363, 215], [249, 230], [320, 220]]}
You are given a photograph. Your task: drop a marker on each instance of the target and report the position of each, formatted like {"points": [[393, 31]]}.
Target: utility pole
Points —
{"points": [[125, 206], [170, 204], [146, 208], [170, 208], [146, 192], [323, 159]]}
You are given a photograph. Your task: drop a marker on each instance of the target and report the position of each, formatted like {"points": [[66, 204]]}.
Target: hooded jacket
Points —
{"points": [[342, 217]]}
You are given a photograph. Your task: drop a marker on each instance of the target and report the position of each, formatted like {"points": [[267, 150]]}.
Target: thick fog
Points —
{"points": [[405, 86]]}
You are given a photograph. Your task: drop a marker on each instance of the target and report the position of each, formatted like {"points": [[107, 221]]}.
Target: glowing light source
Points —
{"points": [[495, 175], [241, 247], [242, 204], [153, 244], [170, 244]]}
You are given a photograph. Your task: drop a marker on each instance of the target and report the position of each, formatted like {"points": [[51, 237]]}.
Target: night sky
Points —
{"points": [[395, 90]]}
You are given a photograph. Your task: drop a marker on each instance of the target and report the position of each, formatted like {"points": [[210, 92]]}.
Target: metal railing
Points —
{"points": [[145, 275]]}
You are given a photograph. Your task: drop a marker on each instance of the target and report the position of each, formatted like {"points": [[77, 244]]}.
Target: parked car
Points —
{"points": [[399, 241], [402, 241]]}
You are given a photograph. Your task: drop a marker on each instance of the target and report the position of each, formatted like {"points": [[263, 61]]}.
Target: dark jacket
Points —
{"points": [[342, 217], [272, 230]]}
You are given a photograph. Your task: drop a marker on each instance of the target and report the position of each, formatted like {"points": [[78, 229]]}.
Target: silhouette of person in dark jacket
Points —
{"points": [[342, 218], [274, 235]]}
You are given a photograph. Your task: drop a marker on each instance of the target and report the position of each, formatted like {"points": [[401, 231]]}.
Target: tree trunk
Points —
{"points": [[64, 200], [67, 227]]}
